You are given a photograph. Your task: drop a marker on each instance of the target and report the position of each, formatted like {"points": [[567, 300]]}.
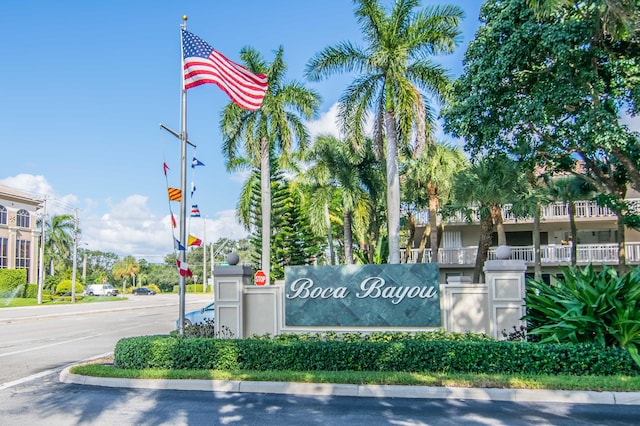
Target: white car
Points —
{"points": [[199, 316], [100, 290]]}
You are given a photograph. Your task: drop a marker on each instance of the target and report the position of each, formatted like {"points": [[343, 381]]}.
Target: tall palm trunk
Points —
{"points": [[433, 220], [327, 218], [496, 216], [348, 238], [393, 188], [423, 243], [537, 268], [622, 251], [574, 232], [412, 236], [486, 229], [265, 186]]}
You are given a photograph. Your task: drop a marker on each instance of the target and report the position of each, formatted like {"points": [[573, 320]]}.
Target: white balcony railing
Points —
{"points": [[549, 254], [554, 211]]}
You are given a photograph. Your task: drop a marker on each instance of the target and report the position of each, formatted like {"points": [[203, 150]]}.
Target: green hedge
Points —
{"points": [[65, 286], [12, 282], [32, 291], [398, 355], [189, 288]]}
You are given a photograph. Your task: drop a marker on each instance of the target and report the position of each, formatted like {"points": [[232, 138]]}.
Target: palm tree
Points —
{"points": [[336, 163], [392, 68], [59, 242], [529, 204], [127, 266], [319, 199], [488, 185], [272, 129], [571, 189], [320, 195], [427, 180]]}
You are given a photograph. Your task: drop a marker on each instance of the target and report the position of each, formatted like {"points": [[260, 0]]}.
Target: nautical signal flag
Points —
{"points": [[193, 241], [195, 212], [195, 162], [173, 221], [165, 167], [178, 245], [203, 64], [183, 269], [174, 194]]}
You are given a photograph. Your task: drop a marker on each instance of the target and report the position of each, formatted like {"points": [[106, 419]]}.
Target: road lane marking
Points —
{"points": [[64, 342], [26, 379]]}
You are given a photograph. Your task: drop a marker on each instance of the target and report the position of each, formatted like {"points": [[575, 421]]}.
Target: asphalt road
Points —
{"points": [[36, 343], [36, 340], [45, 401]]}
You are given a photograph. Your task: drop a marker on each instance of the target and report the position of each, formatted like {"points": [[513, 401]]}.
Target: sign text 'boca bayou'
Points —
{"points": [[405, 295]]}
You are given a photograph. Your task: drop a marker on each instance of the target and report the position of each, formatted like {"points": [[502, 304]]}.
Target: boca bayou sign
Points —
{"points": [[404, 295]]}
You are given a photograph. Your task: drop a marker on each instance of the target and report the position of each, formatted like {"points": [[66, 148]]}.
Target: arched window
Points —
{"points": [[23, 218], [3, 215]]}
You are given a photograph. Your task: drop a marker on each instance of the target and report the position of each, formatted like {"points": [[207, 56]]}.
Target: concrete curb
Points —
{"points": [[368, 391]]}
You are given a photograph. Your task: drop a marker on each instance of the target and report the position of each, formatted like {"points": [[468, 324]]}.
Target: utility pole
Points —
{"points": [[75, 255], [84, 268], [211, 263], [43, 240], [204, 256]]}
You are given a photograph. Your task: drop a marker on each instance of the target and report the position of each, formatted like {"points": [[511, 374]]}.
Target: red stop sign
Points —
{"points": [[260, 278]]}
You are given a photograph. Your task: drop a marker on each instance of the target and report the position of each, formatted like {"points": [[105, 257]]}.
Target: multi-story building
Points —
{"points": [[596, 240], [19, 238]]}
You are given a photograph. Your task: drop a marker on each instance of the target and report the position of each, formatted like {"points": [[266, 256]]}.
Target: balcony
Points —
{"points": [[549, 254], [552, 212]]}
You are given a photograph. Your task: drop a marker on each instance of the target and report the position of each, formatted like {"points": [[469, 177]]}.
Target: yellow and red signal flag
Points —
{"points": [[194, 241], [175, 194]]}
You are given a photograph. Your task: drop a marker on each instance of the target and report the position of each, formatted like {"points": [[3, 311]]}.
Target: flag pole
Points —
{"points": [[182, 254]]}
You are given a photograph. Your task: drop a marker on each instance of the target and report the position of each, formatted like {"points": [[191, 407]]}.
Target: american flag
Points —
{"points": [[203, 64]]}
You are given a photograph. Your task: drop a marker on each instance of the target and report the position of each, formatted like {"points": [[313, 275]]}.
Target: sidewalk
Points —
{"points": [[375, 391]]}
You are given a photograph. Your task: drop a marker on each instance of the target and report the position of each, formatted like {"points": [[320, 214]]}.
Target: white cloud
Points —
{"points": [[223, 225], [326, 124], [39, 187], [240, 176], [29, 183], [129, 227]]}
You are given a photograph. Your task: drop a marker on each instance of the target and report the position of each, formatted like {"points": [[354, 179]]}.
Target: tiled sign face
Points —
{"points": [[405, 295]]}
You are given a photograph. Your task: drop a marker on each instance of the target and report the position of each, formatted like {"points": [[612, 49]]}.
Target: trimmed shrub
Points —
{"points": [[32, 291], [12, 282], [411, 355], [64, 286], [199, 288]]}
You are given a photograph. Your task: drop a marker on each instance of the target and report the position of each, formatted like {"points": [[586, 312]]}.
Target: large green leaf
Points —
{"points": [[585, 305]]}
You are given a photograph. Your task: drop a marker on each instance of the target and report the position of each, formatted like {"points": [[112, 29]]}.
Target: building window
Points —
{"points": [[3, 215], [23, 218], [23, 250], [4, 258]]}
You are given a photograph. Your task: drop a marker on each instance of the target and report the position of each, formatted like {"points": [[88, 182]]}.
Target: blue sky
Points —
{"points": [[84, 87]]}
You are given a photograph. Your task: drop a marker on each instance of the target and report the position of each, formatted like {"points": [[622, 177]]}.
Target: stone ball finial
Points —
{"points": [[503, 252], [233, 258]]}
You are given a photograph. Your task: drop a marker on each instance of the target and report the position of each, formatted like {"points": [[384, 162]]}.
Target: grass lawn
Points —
{"points": [[100, 368]]}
